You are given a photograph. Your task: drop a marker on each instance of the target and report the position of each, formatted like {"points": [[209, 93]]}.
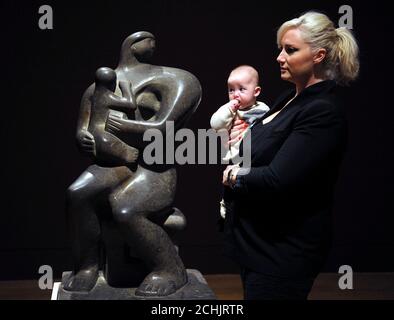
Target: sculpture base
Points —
{"points": [[196, 289]]}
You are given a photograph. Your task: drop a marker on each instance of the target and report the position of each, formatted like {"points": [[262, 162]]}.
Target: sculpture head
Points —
{"points": [[140, 45], [106, 77]]}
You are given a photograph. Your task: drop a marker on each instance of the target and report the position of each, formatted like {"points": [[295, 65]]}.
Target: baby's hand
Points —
{"points": [[234, 105]]}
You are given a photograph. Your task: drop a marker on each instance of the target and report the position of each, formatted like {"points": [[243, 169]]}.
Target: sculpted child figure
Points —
{"points": [[110, 150]]}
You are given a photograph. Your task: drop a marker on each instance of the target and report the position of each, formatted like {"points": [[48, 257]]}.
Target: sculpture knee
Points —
{"points": [[126, 215], [80, 189], [74, 195], [123, 213], [103, 139]]}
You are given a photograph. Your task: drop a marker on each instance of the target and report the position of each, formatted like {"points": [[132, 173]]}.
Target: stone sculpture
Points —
{"points": [[119, 185]]}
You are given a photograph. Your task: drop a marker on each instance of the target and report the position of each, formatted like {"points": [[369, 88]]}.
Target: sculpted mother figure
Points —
{"points": [[133, 194]]}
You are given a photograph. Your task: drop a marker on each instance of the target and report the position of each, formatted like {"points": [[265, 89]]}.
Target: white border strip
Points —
{"points": [[55, 290]]}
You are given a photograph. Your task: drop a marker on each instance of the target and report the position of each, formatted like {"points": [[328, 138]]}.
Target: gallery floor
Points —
{"points": [[366, 286]]}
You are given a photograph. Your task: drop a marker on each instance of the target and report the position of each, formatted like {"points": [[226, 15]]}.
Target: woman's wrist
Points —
{"points": [[238, 181], [232, 176]]}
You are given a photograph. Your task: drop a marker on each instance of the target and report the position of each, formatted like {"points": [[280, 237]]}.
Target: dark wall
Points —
{"points": [[46, 72]]}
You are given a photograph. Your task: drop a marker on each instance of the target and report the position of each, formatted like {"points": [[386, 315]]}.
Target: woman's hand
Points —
{"points": [[230, 175], [237, 131], [86, 142]]}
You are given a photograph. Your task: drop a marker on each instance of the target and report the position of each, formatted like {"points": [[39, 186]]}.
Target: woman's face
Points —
{"points": [[296, 59]]}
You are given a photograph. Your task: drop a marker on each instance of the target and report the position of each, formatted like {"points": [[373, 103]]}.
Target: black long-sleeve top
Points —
{"points": [[280, 222]]}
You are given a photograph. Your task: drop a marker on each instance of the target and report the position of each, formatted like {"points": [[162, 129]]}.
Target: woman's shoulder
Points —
{"points": [[283, 98], [321, 97], [328, 101], [322, 109]]}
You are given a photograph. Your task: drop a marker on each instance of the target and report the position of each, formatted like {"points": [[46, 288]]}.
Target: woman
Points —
{"points": [[278, 228]]}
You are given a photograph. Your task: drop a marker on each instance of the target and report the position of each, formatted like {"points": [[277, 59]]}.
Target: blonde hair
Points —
{"points": [[341, 62]]}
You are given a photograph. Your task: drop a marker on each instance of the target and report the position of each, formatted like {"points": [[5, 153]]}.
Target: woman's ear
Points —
{"points": [[319, 55], [257, 91]]}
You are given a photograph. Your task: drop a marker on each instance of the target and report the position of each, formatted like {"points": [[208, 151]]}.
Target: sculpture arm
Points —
{"points": [[120, 104], [127, 92], [181, 95], [85, 139], [126, 89], [85, 109]]}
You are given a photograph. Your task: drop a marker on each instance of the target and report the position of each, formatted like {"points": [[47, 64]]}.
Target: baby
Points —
{"points": [[243, 90]]}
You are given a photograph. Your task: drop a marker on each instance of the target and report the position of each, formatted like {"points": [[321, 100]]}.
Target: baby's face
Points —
{"points": [[243, 87]]}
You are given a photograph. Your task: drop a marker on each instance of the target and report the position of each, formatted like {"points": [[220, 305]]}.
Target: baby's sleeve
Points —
{"points": [[222, 118]]}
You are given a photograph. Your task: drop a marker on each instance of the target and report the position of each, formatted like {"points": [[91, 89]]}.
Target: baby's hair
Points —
{"points": [[341, 62], [252, 71]]}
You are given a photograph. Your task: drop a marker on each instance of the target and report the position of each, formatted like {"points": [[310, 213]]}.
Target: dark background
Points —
{"points": [[46, 72]]}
